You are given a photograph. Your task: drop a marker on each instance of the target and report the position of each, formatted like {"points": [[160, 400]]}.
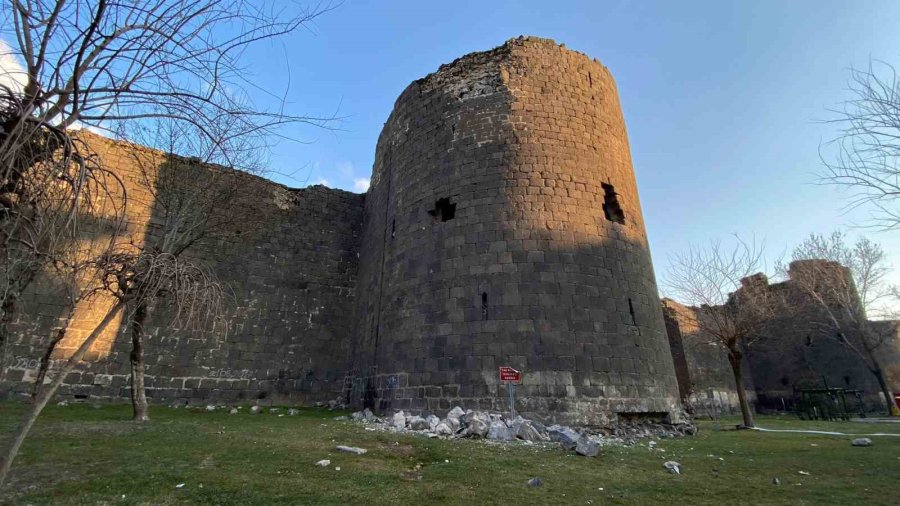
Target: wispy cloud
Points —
{"points": [[12, 73], [361, 185], [323, 182]]}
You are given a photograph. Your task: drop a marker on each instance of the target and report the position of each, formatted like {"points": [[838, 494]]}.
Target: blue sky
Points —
{"points": [[721, 98]]}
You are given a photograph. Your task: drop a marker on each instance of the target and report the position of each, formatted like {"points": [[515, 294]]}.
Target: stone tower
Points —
{"points": [[503, 227]]}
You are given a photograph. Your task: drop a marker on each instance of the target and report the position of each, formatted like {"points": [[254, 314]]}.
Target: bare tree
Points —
{"points": [[733, 304], [52, 183], [132, 277], [114, 65], [193, 200], [866, 151], [840, 285], [109, 65]]}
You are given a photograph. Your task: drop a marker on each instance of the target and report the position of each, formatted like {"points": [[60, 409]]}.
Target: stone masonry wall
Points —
{"points": [[705, 378], [795, 356], [290, 262], [503, 227]]}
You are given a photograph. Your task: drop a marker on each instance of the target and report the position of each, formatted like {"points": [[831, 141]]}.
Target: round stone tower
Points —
{"points": [[503, 227]]}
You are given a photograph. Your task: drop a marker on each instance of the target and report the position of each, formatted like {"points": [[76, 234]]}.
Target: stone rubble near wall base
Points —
{"points": [[460, 423]]}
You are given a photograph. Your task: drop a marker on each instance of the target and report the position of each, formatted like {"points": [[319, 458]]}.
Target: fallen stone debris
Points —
{"points": [[861, 441], [461, 423], [351, 449], [535, 482], [672, 466]]}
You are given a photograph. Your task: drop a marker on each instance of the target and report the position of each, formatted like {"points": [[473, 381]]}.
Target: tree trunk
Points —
{"points": [[735, 359], [885, 389], [46, 393], [5, 319], [45, 360], [138, 392]]}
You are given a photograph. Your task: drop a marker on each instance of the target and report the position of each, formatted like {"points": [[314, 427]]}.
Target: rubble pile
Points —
{"points": [[460, 423]]}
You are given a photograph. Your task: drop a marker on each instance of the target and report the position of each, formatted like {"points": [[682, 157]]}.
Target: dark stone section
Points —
{"points": [[532, 271], [290, 266]]}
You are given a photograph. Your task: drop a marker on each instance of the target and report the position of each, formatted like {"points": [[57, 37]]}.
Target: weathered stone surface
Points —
{"points": [[417, 423], [587, 446], [455, 413], [398, 420], [527, 431], [351, 449], [477, 428], [861, 441], [500, 432], [442, 429], [289, 260], [504, 228], [565, 436]]}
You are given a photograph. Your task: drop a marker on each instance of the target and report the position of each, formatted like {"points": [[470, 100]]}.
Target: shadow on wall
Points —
{"points": [[576, 312], [287, 256], [795, 358]]}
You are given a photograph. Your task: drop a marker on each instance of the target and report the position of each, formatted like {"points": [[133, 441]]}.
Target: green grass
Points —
{"points": [[85, 455]]}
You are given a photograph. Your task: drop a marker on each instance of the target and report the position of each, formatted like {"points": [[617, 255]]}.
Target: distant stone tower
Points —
{"points": [[503, 227]]}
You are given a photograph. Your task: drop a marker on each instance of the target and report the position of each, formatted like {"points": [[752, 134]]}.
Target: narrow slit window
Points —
{"points": [[393, 228], [631, 311], [484, 306], [611, 208], [443, 210]]}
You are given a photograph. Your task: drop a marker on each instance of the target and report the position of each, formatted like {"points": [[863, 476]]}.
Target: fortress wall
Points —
{"points": [[705, 379], [289, 259], [795, 356], [542, 267]]}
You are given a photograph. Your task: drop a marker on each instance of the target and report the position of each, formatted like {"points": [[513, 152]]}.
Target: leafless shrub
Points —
{"points": [[732, 302]]}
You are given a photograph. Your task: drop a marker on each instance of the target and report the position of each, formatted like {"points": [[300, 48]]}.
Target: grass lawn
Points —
{"points": [[85, 455]]}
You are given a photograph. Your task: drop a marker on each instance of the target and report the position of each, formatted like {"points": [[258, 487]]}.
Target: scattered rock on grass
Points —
{"points": [[255, 409], [535, 482], [352, 449], [498, 431], [418, 423], [587, 446], [323, 463], [565, 436], [861, 441], [672, 466], [399, 420]]}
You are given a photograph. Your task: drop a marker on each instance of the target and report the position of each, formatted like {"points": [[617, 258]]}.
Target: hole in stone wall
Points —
{"points": [[611, 208], [484, 306], [590, 79], [443, 210], [631, 311], [393, 228], [847, 380], [784, 382]]}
